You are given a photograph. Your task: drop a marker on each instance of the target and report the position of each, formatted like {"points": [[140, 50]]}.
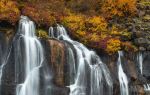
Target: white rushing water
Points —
{"points": [[92, 77], [32, 57], [124, 90], [147, 88], [140, 60]]}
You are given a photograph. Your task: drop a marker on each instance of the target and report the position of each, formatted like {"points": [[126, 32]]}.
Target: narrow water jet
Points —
{"points": [[92, 77], [124, 90], [140, 61]]}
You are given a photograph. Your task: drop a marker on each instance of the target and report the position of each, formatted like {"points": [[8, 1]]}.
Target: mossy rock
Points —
{"points": [[146, 18], [8, 33]]}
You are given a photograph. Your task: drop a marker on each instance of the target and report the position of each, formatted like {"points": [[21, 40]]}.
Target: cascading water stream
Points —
{"points": [[124, 90], [147, 88], [29, 54], [93, 83], [140, 60]]}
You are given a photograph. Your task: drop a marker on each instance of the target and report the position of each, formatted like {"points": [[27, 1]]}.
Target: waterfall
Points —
{"points": [[29, 55], [140, 60], [147, 89], [122, 76], [92, 77]]}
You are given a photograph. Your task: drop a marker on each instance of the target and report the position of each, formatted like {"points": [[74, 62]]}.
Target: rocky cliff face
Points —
{"points": [[56, 56], [130, 66], [141, 26]]}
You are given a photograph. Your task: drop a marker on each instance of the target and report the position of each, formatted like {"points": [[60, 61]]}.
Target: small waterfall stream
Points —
{"points": [[124, 90], [147, 88], [31, 53], [99, 78], [140, 60]]}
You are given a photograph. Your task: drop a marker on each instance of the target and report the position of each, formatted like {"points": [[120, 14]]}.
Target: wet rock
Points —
{"points": [[141, 41], [8, 33], [8, 83], [140, 90], [59, 90], [148, 47], [139, 34], [57, 60], [137, 90], [132, 70], [146, 66], [142, 48], [3, 46]]}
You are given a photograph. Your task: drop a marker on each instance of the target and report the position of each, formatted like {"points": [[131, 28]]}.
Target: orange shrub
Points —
{"points": [[112, 8], [96, 24], [128, 46], [113, 45], [74, 22], [41, 17], [9, 11], [94, 32]]}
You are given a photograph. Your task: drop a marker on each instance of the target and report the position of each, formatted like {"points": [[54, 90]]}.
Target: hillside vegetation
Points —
{"points": [[99, 24]]}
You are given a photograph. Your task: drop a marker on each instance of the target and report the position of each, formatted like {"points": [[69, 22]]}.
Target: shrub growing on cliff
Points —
{"points": [[74, 22], [96, 24], [128, 46], [120, 8], [40, 16], [92, 31], [113, 45], [89, 7], [9, 11], [42, 34]]}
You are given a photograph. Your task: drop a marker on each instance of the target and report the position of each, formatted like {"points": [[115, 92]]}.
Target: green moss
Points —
{"points": [[42, 34], [145, 3]]}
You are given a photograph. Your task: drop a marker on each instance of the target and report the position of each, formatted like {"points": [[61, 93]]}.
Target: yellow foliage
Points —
{"points": [[97, 24], [94, 37], [94, 32], [126, 34], [81, 33], [114, 31], [74, 22], [112, 8], [9, 11], [128, 46], [42, 34], [120, 32], [113, 45], [92, 29]]}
